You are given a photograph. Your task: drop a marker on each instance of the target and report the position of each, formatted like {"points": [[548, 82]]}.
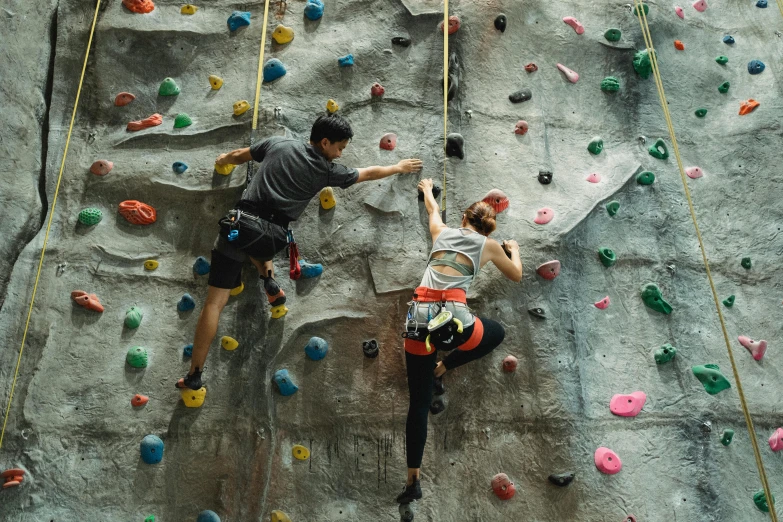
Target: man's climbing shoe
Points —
{"points": [[276, 297], [439, 388], [192, 381], [410, 493]]}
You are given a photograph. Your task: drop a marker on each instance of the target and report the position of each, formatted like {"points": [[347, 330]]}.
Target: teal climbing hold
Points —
{"points": [[133, 317], [186, 303], [284, 383], [658, 149], [760, 499], [610, 84], [310, 270], [345, 61], [723, 88], [746, 263], [151, 448], [723, 60], [645, 8], [665, 354], [201, 265], [182, 120], [607, 256], [168, 87], [727, 437], [179, 167], [613, 35], [713, 381], [187, 350], [596, 145], [653, 299], [700, 113], [137, 357], [316, 348], [612, 207], [273, 69], [641, 63], [90, 216], [729, 301], [314, 9], [645, 178], [238, 19]]}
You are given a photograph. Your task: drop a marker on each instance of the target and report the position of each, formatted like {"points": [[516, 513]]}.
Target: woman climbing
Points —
{"points": [[439, 318]]}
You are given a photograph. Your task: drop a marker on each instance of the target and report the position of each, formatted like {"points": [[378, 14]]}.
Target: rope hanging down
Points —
{"points": [[446, 100], [662, 97], [260, 65]]}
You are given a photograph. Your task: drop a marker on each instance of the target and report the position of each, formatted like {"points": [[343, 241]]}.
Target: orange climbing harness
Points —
{"points": [[662, 97]]}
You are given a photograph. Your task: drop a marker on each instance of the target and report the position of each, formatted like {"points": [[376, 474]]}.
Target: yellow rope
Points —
{"points": [[260, 66], [662, 96], [445, 99], [780, 6], [49, 225]]}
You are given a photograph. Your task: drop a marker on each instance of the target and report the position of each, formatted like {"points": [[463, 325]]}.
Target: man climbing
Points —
{"points": [[291, 172]]}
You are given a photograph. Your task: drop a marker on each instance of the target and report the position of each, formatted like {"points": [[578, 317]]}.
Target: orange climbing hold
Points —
{"points": [[139, 6], [137, 212], [101, 167], [454, 23], [153, 121], [123, 98], [139, 400], [747, 107], [88, 301], [679, 45], [12, 477]]}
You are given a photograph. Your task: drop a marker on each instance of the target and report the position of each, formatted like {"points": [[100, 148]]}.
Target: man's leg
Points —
{"points": [[206, 328]]}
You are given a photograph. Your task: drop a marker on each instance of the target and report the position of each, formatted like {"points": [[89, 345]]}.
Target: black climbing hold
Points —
{"points": [[537, 312], [561, 479], [544, 177], [435, 193], [438, 405], [370, 348], [522, 95], [500, 23], [401, 41], [455, 145]]}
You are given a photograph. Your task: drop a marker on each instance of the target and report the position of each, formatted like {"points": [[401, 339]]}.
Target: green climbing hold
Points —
{"points": [[645, 178], [729, 301], [596, 145], [137, 357], [746, 264], [151, 518], [645, 8], [709, 375], [723, 88], [761, 501], [665, 353], [641, 63], [90, 216], [652, 297], [613, 35], [723, 60], [610, 84], [727, 437], [655, 149], [133, 317], [168, 88], [700, 113], [607, 256], [612, 207], [182, 120]]}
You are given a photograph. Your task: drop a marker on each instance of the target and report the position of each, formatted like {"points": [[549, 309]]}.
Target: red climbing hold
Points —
{"points": [[594, 178], [139, 6], [756, 348], [503, 487], [603, 304], [153, 121], [694, 172], [549, 270], [123, 99], [454, 24], [510, 364], [496, 199], [776, 440], [531, 67], [137, 212], [377, 89], [88, 301], [388, 141], [576, 24], [572, 76], [628, 405], [700, 5], [679, 45], [12, 477], [521, 128], [607, 461], [139, 400], [101, 167], [747, 107], [544, 216], [679, 12]]}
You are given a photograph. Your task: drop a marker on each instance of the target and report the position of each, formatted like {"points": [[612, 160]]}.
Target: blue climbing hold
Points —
{"points": [[186, 303], [238, 19], [187, 351], [314, 9], [208, 516], [179, 167], [201, 266], [310, 270], [316, 348], [762, 4], [728, 39], [284, 383], [151, 449], [756, 67], [345, 61], [273, 69]]}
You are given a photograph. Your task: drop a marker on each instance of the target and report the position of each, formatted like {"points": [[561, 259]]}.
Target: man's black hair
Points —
{"points": [[332, 127]]}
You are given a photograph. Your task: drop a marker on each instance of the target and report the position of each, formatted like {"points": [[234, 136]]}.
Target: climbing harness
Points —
{"points": [[675, 148], [295, 271]]}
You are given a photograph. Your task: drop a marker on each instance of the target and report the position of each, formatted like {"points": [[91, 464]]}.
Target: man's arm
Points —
{"points": [[405, 166], [235, 157]]}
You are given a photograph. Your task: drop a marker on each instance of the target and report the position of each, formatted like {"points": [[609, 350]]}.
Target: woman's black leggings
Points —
{"points": [[421, 383]]}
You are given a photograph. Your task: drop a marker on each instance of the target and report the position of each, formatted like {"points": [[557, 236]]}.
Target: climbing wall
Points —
{"points": [[72, 426]]}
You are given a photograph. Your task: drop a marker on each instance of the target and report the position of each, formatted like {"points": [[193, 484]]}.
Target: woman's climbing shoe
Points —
{"points": [[438, 405], [192, 381], [439, 388], [410, 493]]}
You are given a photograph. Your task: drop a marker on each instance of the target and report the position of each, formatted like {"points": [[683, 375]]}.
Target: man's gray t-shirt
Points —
{"points": [[290, 174]]}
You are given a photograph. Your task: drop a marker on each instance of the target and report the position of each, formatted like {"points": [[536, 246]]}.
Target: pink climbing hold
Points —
{"points": [[377, 89], [123, 99], [503, 487], [549, 270], [572, 76], [510, 364], [756, 348], [531, 67], [496, 199], [700, 5], [153, 121], [603, 304], [680, 12], [454, 24], [594, 178], [101, 167], [607, 461], [521, 128], [388, 141], [628, 405], [544, 216], [776, 440], [576, 24], [694, 172]]}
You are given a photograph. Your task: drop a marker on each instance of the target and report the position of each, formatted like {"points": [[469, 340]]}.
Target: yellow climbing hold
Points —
{"points": [[279, 311], [215, 81], [193, 398], [279, 516], [300, 452], [332, 106], [150, 264], [241, 107], [283, 34], [188, 9], [225, 170], [229, 343], [327, 198], [238, 290]]}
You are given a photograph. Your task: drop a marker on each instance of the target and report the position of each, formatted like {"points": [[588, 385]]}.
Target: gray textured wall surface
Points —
{"points": [[71, 424]]}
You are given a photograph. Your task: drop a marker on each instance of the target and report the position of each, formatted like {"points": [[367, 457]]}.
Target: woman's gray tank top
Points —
{"points": [[465, 241]]}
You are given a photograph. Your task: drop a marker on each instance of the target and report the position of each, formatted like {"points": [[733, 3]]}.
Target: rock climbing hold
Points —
{"points": [[237, 290], [278, 311], [133, 317], [545, 177], [216, 82], [310, 270], [193, 398], [570, 75], [12, 477], [756, 348], [123, 99], [576, 24], [652, 297], [284, 383], [645, 8], [345, 61], [332, 106], [401, 41], [90, 216], [241, 107], [300, 452], [229, 343], [612, 207], [520, 96], [377, 90], [388, 141], [645, 178], [746, 107], [549, 270], [531, 67], [152, 121], [594, 178], [776, 440], [88, 301], [723, 60], [187, 350], [455, 145], [182, 120], [723, 88], [762, 4], [503, 487], [596, 145], [607, 461], [137, 357], [150, 518], [700, 5], [610, 84], [454, 24], [186, 302], [224, 170], [728, 39], [613, 35], [679, 11], [729, 301], [658, 149], [201, 265], [497, 199], [521, 128], [370, 348], [279, 516], [537, 312], [188, 9], [544, 216], [238, 19], [756, 67], [283, 34], [510, 363], [139, 400], [727, 437], [665, 353], [139, 6], [679, 45], [700, 113], [607, 256], [710, 376], [760, 499], [314, 10], [179, 167], [561, 479], [641, 63], [746, 263], [273, 69], [316, 348], [327, 198], [150, 264], [137, 212], [628, 405], [168, 87], [151, 449], [694, 172], [500, 22], [603, 304]]}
